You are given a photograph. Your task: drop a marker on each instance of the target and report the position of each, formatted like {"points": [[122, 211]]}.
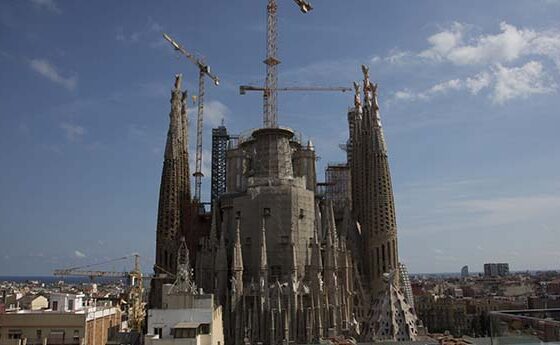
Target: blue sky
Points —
{"points": [[468, 91]]}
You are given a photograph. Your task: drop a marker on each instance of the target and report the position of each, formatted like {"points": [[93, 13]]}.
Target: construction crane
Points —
{"points": [[270, 100], [244, 88], [203, 70], [136, 309], [81, 272]]}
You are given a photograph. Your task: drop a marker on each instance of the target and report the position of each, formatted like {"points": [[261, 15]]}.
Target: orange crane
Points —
{"points": [[203, 71]]}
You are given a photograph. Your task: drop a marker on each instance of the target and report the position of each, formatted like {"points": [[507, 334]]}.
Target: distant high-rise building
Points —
{"points": [[220, 139], [465, 271], [496, 269]]}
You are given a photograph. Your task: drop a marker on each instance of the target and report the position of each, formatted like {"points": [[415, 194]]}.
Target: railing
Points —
{"points": [[40, 341], [536, 326]]}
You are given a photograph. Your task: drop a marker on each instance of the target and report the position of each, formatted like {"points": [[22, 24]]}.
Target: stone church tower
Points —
{"points": [[281, 268], [174, 197], [373, 205]]}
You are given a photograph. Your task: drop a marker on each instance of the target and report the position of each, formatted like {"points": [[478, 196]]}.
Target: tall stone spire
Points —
{"points": [[237, 286], [263, 262], [237, 263], [316, 264], [174, 197], [221, 270], [372, 192]]}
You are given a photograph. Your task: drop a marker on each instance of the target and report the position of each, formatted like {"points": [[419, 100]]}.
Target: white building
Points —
{"points": [[66, 302], [185, 319]]}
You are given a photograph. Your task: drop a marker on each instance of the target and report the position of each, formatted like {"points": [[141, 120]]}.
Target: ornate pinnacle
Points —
{"points": [[178, 79], [184, 281], [367, 84], [237, 264], [357, 98], [264, 259]]}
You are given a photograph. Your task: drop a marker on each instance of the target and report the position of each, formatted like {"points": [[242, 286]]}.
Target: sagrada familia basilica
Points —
{"points": [[288, 259]]}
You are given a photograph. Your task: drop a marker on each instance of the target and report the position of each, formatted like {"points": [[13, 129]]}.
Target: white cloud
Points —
{"points": [[405, 95], [454, 84], [47, 70], [48, 4], [521, 82], [478, 82], [396, 56], [511, 210], [73, 132], [444, 42], [506, 84], [79, 254], [547, 44], [214, 113], [438, 89], [508, 45]]}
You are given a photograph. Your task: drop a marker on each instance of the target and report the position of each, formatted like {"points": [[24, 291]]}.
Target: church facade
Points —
{"points": [[281, 262]]}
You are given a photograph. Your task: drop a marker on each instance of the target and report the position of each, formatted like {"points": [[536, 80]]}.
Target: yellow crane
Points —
{"points": [[203, 71], [136, 307]]}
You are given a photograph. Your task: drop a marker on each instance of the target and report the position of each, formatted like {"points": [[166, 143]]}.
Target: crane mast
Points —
{"points": [[203, 71], [199, 118], [270, 91], [270, 100]]}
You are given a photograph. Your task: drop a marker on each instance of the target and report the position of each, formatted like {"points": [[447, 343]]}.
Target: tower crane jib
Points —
{"points": [[203, 71]]}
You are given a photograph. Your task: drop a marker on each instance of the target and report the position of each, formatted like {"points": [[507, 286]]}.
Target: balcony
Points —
{"points": [[536, 326]]}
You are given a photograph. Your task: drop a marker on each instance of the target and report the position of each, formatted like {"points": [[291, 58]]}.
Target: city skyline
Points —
{"points": [[467, 102]]}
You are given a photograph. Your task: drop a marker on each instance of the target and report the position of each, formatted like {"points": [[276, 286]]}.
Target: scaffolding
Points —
{"points": [[337, 181], [220, 139]]}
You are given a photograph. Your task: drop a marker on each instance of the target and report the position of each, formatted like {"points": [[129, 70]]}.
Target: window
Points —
{"points": [[248, 241], [276, 271], [76, 334], [266, 212], [70, 304], [158, 331], [284, 239], [38, 334], [14, 334], [184, 333], [204, 329], [54, 305]]}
